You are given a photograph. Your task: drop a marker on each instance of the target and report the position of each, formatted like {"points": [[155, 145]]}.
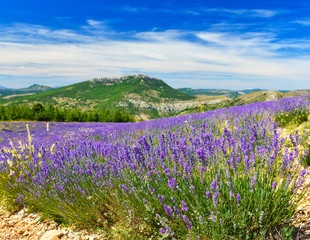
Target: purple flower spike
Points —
{"points": [[172, 183], [201, 153], [188, 224], [185, 218], [303, 173], [274, 184], [176, 210], [208, 194], [212, 216], [168, 210], [184, 206], [213, 185], [238, 198]]}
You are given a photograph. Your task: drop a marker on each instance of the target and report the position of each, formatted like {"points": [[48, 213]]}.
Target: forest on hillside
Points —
{"points": [[39, 112]]}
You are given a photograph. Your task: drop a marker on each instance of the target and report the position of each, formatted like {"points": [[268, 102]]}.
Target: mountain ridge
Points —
{"points": [[34, 88], [140, 95]]}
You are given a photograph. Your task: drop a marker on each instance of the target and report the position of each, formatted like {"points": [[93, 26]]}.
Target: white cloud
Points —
{"points": [[239, 56], [263, 13], [92, 22], [253, 12], [305, 22], [134, 9], [21, 33]]}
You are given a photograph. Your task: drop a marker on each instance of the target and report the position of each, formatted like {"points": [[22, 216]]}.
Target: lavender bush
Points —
{"points": [[215, 175]]}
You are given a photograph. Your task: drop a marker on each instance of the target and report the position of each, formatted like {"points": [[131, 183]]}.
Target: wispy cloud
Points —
{"points": [[305, 22], [134, 9], [260, 13], [263, 13], [22, 33], [63, 18], [92, 22], [33, 50]]}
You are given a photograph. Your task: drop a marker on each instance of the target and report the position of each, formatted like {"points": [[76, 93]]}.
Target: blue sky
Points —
{"points": [[198, 44]]}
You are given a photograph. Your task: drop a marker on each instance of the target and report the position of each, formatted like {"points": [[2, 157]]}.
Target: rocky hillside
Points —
{"points": [[302, 92], [260, 96]]}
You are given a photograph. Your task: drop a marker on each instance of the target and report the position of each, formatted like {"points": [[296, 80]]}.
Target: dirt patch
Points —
{"points": [[29, 226]]}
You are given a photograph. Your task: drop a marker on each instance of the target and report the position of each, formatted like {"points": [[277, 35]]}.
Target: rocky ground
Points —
{"points": [[22, 225]]}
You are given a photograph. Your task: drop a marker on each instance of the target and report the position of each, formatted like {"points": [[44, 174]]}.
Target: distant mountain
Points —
{"points": [[212, 92], [246, 91], [35, 88], [3, 87]]}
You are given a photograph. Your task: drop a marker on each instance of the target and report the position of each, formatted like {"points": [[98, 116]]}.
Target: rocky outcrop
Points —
{"points": [[114, 80], [166, 105]]}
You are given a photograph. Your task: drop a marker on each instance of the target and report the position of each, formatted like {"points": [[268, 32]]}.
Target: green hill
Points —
{"points": [[140, 95]]}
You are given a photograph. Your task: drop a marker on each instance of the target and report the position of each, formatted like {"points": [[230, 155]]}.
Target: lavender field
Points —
{"points": [[224, 174]]}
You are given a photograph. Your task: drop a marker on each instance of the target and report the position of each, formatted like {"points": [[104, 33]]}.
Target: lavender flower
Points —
{"points": [[253, 180], [192, 187], [260, 221], [214, 198], [177, 211], [212, 216], [172, 183], [238, 198], [274, 184], [184, 206], [208, 194], [168, 210]]}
